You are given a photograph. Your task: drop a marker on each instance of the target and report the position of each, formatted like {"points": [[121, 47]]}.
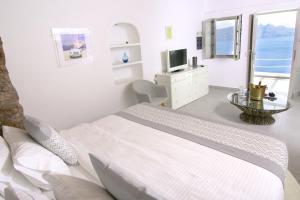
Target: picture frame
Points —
{"points": [[169, 32], [73, 45], [199, 40]]}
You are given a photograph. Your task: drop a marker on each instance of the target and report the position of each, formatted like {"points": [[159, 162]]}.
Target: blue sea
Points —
{"points": [[274, 55]]}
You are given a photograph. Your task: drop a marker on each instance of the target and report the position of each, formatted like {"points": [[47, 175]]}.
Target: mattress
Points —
{"points": [[222, 176]]}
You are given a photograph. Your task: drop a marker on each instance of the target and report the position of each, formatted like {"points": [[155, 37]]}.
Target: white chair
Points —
{"points": [[147, 91]]}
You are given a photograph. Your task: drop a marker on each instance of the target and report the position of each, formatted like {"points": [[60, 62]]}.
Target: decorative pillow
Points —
{"points": [[11, 193], [31, 159], [50, 139], [71, 188], [115, 184]]}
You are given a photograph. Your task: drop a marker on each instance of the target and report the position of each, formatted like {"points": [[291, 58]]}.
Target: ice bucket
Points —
{"points": [[257, 92]]}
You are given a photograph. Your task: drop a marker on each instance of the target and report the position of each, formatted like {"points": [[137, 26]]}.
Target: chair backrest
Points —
{"points": [[144, 87]]}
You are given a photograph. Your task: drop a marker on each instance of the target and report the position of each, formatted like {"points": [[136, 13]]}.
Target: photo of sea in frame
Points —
{"points": [[74, 46]]}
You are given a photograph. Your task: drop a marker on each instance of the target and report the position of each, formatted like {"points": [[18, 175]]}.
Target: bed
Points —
{"points": [[232, 177], [173, 155]]}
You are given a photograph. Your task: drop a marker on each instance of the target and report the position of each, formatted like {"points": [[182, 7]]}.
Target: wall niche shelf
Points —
{"points": [[125, 39], [126, 64], [114, 46]]}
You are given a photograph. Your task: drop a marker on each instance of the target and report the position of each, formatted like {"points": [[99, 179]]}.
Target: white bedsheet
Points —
{"points": [[19, 181], [76, 171], [220, 176], [80, 172]]}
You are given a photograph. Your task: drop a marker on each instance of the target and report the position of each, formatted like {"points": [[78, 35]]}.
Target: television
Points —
{"points": [[176, 60]]}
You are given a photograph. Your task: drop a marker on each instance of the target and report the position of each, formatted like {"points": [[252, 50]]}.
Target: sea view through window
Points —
{"points": [[274, 42]]}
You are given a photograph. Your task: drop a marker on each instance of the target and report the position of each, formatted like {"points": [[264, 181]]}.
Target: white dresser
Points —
{"points": [[185, 86]]}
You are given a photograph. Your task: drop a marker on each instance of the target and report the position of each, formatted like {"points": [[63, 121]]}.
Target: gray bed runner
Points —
{"points": [[263, 151]]}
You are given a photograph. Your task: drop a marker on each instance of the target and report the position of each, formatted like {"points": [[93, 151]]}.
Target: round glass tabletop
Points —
{"points": [[267, 104]]}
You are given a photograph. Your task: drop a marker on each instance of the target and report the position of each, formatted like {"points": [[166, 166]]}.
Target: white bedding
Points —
{"points": [[9, 175], [219, 176], [76, 171], [80, 172]]}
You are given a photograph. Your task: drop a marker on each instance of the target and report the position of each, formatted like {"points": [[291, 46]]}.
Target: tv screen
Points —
{"points": [[178, 57]]}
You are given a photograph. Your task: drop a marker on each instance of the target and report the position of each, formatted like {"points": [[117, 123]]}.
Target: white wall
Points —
{"points": [[71, 95], [227, 72]]}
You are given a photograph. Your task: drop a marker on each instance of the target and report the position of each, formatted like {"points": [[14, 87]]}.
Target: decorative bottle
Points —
{"points": [[125, 58]]}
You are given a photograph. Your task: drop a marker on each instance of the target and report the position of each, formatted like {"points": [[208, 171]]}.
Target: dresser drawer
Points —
{"points": [[181, 78]]}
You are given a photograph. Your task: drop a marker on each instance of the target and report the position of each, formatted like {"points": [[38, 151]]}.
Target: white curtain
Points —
{"points": [[295, 72]]}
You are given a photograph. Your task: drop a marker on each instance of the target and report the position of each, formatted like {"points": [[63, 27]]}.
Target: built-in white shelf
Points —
{"points": [[125, 40], [126, 64], [114, 46]]}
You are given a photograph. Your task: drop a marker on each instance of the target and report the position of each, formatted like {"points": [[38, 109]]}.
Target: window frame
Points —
{"points": [[211, 53], [235, 18]]}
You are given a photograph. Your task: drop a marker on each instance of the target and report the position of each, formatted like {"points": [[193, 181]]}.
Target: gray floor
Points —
{"points": [[215, 107]]}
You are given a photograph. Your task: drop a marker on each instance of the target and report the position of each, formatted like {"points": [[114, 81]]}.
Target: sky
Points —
{"points": [[225, 24], [287, 19], [278, 19]]}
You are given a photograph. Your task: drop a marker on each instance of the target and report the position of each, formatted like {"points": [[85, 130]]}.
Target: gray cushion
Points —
{"points": [[45, 135], [115, 184], [71, 188]]}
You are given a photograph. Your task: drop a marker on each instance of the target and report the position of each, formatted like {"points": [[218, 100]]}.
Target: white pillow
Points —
{"points": [[5, 159], [18, 194], [9, 176], [13, 194], [31, 159]]}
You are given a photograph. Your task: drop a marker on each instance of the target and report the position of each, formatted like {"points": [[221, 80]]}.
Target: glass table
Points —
{"points": [[258, 112]]}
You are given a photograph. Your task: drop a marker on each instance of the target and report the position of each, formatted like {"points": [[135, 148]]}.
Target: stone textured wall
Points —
{"points": [[11, 111]]}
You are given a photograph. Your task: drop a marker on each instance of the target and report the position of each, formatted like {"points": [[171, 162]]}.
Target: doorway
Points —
{"points": [[272, 43]]}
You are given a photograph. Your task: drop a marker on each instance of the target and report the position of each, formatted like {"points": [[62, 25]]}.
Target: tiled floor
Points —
{"points": [[215, 107]]}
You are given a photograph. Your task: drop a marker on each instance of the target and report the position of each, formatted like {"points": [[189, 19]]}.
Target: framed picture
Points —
{"points": [[73, 45], [199, 40], [199, 43], [169, 32]]}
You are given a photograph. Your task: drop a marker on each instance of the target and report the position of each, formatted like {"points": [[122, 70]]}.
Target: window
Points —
{"points": [[222, 37], [272, 49]]}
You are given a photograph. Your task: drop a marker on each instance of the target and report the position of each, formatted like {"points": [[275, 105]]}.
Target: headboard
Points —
{"points": [[11, 111]]}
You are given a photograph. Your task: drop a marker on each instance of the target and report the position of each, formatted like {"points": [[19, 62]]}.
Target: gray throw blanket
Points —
{"points": [[263, 151]]}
